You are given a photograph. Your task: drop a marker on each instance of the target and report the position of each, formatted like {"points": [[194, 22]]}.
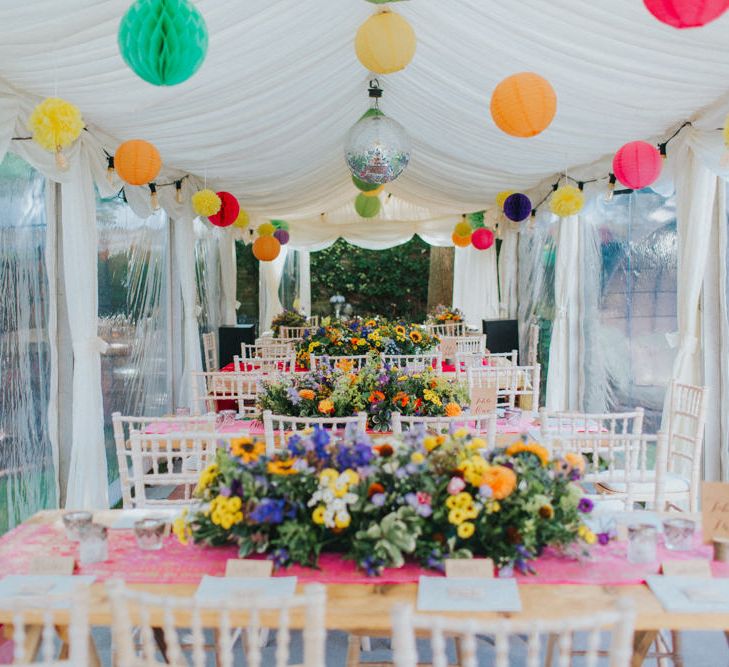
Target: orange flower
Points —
{"points": [[307, 394], [401, 399], [326, 406], [282, 467], [345, 365], [501, 480], [532, 447], [247, 449], [452, 410], [375, 487], [384, 450], [376, 397]]}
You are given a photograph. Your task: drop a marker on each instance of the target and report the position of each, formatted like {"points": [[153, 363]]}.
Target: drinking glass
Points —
{"points": [[74, 522], [150, 533], [642, 541], [93, 544], [678, 534]]}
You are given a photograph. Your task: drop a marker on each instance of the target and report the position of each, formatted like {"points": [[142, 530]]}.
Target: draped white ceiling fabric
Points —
{"points": [[266, 115]]}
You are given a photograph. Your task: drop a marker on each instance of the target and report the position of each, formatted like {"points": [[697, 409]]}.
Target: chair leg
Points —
{"points": [[677, 649], [549, 655], [354, 648], [366, 644]]}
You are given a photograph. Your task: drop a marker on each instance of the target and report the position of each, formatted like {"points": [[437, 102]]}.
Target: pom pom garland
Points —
{"points": [[206, 203], [461, 241], [241, 222], [56, 124], [502, 197], [567, 200], [686, 13], [282, 235]]}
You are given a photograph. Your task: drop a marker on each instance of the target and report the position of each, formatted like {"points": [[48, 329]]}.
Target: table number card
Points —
{"points": [[686, 568], [469, 568], [715, 510], [61, 565], [247, 568], [483, 399]]}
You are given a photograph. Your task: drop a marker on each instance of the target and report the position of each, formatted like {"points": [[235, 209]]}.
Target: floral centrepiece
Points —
{"points": [[289, 318], [334, 390], [444, 315], [423, 498], [361, 336]]}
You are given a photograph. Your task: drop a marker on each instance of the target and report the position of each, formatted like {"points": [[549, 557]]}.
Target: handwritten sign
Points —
{"points": [[686, 568], [483, 399], [469, 568], [715, 510], [251, 569], [448, 347], [62, 565]]}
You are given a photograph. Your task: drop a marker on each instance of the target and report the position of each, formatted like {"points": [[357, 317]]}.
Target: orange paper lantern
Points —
{"points": [[523, 105], [461, 241], [137, 162], [266, 248]]}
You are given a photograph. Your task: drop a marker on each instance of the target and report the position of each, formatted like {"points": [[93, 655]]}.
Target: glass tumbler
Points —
{"points": [[678, 534], [642, 542], [93, 544], [74, 522], [150, 533]]}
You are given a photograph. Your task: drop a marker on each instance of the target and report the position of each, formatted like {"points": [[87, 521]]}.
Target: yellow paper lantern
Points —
{"points": [[502, 197], [523, 105], [55, 124], [567, 200], [266, 229], [374, 193], [385, 43], [462, 229], [461, 241], [242, 220], [206, 203]]}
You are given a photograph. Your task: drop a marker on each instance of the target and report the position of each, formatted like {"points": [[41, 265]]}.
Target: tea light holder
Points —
{"points": [[678, 534], [75, 522], [150, 533], [93, 544], [642, 543]]}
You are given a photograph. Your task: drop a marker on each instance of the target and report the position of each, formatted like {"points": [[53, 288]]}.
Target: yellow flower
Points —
{"points": [[478, 443], [465, 530], [207, 477], [400, 330], [247, 449], [345, 365], [181, 528], [493, 506], [456, 516], [313, 345], [453, 410], [430, 442], [461, 432], [432, 397], [416, 336], [370, 323], [532, 448], [471, 512], [326, 406], [352, 476], [586, 534], [417, 457], [285, 467], [317, 516], [451, 503], [374, 336], [328, 476], [342, 520]]}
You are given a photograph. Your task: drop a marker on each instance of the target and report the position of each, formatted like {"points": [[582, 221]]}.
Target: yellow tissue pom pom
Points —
{"points": [[242, 220], [55, 123], [206, 202], [462, 229], [502, 197], [266, 229], [567, 200]]}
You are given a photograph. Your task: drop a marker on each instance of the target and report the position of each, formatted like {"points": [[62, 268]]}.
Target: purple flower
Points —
{"points": [[485, 491], [321, 439], [293, 396], [378, 500], [585, 505], [603, 538], [420, 502], [225, 491], [271, 511], [372, 566], [435, 561], [280, 558], [295, 445]]}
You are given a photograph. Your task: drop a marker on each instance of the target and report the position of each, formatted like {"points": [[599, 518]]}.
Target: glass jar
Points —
{"points": [[642, 543], [93, 544], [74, 522], [678, 534], [150, 533]]}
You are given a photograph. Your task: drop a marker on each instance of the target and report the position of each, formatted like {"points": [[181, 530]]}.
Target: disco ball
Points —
{"points": [[377, 149]]}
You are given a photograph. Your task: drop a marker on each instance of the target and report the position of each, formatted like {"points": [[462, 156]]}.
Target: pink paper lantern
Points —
{"points": [[482, 238], [637, 164], [229, 210], [686, 13]]}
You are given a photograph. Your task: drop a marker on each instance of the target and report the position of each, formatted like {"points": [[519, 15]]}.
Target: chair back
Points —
{"points": [[479, 424], [414, 362], [271, 347], [687, 418], [124, 425], [210, 349], [447, 329], [352, 363], [313, 321], [510, 382], [241, 388], [294, 332], [466, 360], [272, 365], [134, 609], [553, 425], [277, 428], [512, 638], [169, 459], [37, 614]]}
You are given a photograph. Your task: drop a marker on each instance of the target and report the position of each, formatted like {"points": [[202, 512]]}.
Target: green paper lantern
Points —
{"points": [[363, 186], [163, 41], [367, 207], [280, 224]]}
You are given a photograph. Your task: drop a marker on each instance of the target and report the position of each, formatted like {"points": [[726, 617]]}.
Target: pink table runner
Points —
{"points": [[178, 564]]}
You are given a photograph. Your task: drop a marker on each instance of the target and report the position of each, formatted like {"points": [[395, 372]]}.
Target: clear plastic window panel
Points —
{"points": [[134, 298], [629, 270], [207, 267], [27, 475]]}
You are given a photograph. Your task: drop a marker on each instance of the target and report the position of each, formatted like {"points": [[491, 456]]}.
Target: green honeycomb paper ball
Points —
{"points": [[367, 207], [163, 41]]}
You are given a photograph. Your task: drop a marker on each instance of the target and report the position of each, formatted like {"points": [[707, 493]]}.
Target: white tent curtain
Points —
{"points": [[269, 302], [475, 284], [562, 376], [228, 277], [508, 270], [304, 281]]}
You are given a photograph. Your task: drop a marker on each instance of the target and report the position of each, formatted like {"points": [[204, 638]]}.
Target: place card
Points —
{"points": [[444, 594], [42, 586], [483, 399], [686, 568], [248, 568], [469, 568], [212, 589], [63, 565], [715, 510], [691, 594]]}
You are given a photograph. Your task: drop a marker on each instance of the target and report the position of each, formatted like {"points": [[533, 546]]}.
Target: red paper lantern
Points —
{"points": [[686, 13], [229, 210], [482, 238], [637, 164]]}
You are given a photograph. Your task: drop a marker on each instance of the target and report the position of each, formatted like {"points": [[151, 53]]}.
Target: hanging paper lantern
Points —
{"points": [[280, 224], [482, 238], [462, 229], [229, 210], [523, 105], [517, 207], [385, 43], [567, 200], [374, 193], [282, 235], [206, 202], [686, 13], [377, 148], [266, 248], [242, 220], [637, 164], [461, 241], [367, 207], [163, 41], [137, 162], [362, 186], [475, 220], [55, 125], [502, 197], [266, 229]]}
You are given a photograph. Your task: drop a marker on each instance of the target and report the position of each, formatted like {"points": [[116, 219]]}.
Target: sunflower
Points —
{"points": [[532, 448], [384, 450], [247, 449], [416, 336], [400, 329], [307, 394], [370, 323], [282, 467]]}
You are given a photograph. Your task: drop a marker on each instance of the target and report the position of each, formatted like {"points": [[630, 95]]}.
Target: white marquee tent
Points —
{"points": [[266, 116]]}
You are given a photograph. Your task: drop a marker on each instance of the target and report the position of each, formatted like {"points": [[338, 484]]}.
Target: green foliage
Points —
{"points": [[247, 287], [391, 282]]}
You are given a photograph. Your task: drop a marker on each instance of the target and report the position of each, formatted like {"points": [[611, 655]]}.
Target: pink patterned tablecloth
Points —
{"points": [[177, 563]]}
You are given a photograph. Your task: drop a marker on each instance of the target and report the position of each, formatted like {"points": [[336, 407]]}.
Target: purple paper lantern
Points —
{"points": [[282, 235], [517, 207]]}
